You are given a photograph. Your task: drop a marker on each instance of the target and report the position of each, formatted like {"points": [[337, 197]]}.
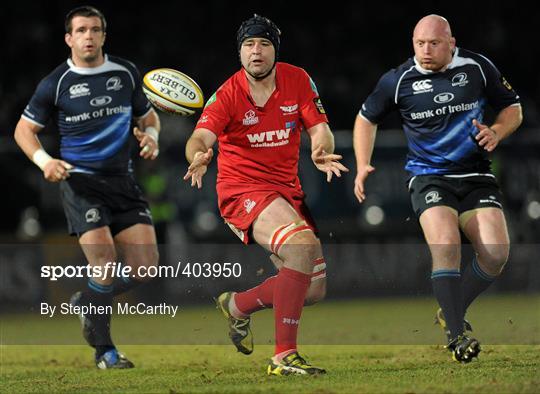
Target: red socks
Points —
{"points": [[290, 290], [257, 298], [285, 292]]}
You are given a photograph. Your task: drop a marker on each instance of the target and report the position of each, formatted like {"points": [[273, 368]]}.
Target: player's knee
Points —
{"points": [[444, 250], [296, 245], [302, 253], [145, 262], [148, 256], [444, 238], [315, 294], [100, 255], [153, 257], [307, 244], [494, 257]]}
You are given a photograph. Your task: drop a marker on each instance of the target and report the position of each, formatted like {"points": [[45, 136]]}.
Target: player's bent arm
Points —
{"points": [[364, 134], [54, 170], [363, 140], [26, 137], [200, 141], [507, 121], [150, 124], [199, 153], [321, 135], [322, 151], [147, 133]]}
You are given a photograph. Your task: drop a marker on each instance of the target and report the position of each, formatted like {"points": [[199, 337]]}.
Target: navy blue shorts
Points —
{"points": [[92, 201], [462, 193]]}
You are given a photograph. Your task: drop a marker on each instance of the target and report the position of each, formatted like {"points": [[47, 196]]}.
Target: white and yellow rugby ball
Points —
{"points": [[172, 91]]}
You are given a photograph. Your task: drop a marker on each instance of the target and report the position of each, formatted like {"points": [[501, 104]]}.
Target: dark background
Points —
{"points": [[344, 46]]}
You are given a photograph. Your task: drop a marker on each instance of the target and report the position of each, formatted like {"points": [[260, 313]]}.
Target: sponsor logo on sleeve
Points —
{"points": [[505, 83], [319, 105]]}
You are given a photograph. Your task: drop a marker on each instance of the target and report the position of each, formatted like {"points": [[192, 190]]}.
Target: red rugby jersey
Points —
{"points": [[259, 147]]}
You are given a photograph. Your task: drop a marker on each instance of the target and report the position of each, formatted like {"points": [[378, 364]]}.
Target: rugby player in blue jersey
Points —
{"points": [[441, 94], [92, 100]]}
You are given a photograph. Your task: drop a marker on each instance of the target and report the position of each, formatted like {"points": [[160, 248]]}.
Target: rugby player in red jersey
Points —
{"points": [[257, 116]]}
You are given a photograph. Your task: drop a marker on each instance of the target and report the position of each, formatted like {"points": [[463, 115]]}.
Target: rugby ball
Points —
{"points": [[172, 91]]}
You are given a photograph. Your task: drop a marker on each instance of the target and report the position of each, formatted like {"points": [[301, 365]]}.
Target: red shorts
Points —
{"points": [[241, 209]]}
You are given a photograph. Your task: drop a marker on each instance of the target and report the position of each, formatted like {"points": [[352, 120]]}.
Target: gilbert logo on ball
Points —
{"points": [[172, 91]]}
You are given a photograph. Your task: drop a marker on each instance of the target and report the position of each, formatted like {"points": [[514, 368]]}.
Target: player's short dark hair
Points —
{"points": [[260, 27], [86, 11]]}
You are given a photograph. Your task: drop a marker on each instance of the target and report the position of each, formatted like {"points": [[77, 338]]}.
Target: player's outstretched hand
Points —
{"points": [[147, 143], [361, 176], [56, 170], [198, 167], [486, 137], [328, 163]]}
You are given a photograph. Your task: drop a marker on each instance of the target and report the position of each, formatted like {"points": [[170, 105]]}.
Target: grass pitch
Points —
{"points": [[369, 346]]}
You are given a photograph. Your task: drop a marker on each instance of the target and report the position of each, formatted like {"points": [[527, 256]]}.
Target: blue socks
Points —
{"points": [[475, 282], [448, 291], [100, 296], [124, 284]]}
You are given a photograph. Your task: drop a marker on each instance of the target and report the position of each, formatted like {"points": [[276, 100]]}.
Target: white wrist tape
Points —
{"points": [[152, 132], [41, 158]]}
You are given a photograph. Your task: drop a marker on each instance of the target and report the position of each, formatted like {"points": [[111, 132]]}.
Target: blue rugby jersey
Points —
{"points": [[437, 109], [92, 109]]}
